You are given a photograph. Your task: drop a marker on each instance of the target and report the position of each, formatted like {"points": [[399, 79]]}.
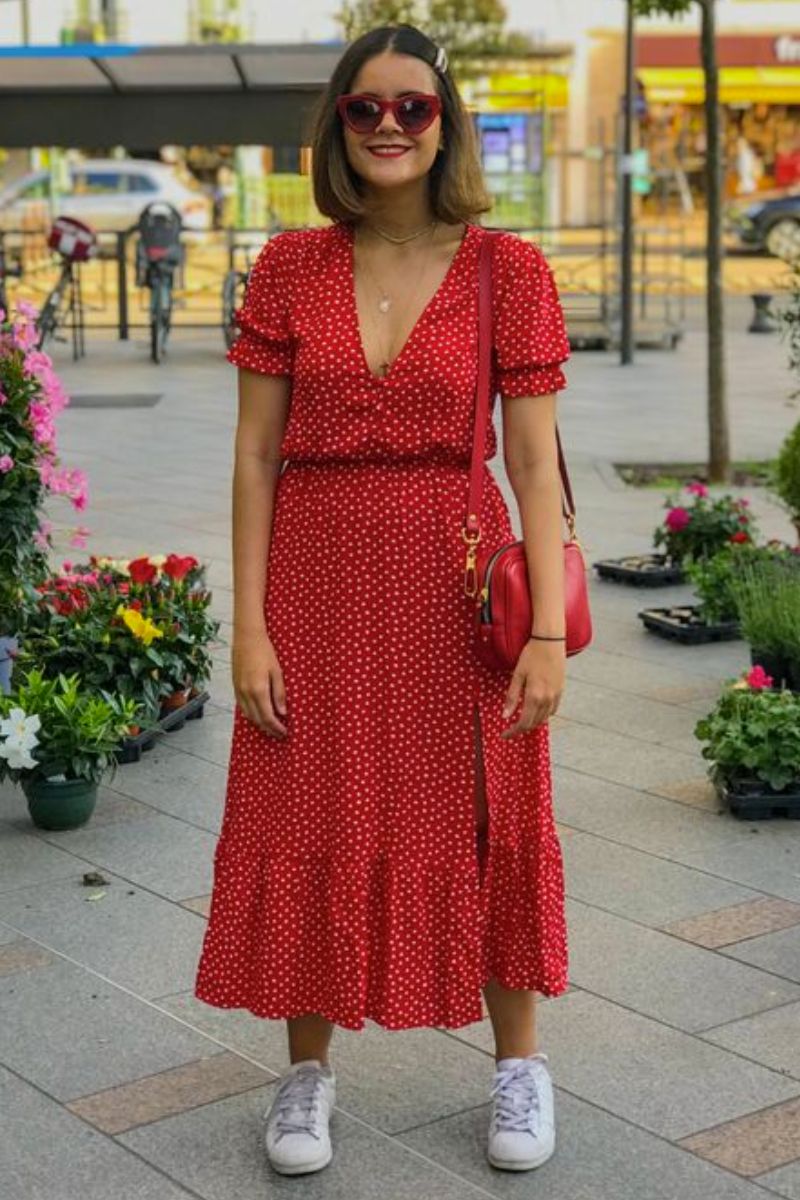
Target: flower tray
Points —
{"points": [[752, 800], [640, 570], [682, 623], [131, 749]]}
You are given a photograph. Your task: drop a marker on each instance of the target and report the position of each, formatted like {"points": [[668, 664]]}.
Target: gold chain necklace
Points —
{"points": [[385, 364], [385, 301], [407, 237]]}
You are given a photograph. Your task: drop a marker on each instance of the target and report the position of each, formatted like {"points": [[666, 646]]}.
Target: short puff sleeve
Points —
{"points": [[264, 343], [530, 336]]}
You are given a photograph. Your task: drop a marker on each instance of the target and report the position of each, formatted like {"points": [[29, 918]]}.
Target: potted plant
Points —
{"points": [[58, 740], [785, 478], [696, 527], [752, 739], [31, 397], [766, 591], [715, 617]]}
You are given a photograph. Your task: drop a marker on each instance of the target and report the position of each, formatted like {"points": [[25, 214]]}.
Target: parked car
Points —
{"points": [[770, 223], [105, 193]]}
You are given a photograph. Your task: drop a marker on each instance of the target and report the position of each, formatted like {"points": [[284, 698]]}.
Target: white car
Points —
{"points": [[105, 193]]}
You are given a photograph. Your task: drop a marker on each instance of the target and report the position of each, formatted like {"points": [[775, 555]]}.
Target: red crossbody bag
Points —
{"points": [[498, 580]]}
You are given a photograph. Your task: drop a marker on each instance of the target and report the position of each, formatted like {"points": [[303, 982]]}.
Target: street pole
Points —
{"points": [[26, 23], [626, 184]]}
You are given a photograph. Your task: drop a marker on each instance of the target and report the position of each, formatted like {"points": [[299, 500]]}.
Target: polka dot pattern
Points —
{"points": [[346, 876]]}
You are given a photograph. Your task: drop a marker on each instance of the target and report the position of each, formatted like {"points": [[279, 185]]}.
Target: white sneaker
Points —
{"points": [[296, 1133], [522, 1131]]}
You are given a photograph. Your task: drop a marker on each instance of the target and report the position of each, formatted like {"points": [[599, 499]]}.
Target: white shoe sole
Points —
{"points": [[301, 1168], [526, 1164]]}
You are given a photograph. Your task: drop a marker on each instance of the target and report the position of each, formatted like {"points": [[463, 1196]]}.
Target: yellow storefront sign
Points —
{"points": [[523, 93], [737, 85]]}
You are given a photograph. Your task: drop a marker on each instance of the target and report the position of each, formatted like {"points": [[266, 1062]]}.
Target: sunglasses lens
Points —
{"points": [[415, 114], [362, 115]]}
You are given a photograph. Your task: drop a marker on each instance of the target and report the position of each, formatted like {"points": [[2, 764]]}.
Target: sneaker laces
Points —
{"points": [[298, 1103], [517, 1098]]}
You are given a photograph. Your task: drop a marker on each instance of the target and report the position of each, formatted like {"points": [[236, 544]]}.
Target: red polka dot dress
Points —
{"points": [[346, 875]]}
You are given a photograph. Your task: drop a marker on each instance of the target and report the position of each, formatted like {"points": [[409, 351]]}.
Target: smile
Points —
{"points": [[388, 151]]}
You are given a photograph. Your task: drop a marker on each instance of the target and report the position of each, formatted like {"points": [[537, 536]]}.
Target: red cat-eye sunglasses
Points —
{"points": [[413, 113]]}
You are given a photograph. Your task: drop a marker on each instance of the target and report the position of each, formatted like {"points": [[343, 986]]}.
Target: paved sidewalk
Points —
{"points": [[676, 1052]]}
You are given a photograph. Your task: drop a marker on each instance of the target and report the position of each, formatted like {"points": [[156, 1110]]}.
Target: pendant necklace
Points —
{"points": [[385, 303]]}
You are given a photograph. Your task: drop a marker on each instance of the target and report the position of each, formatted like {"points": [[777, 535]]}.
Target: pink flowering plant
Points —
{"points": [[31, 397], [697, 525], [752, 736]]}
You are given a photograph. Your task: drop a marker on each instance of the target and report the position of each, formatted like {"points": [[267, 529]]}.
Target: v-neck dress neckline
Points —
{"points": [[424, 316]]}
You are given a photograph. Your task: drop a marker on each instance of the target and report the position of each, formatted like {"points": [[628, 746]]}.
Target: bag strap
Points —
{"points": [[471, 530]]}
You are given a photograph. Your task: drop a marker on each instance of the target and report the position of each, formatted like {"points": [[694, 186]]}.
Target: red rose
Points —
{"points": [[177, 568], [740, 537], [142, 570]]}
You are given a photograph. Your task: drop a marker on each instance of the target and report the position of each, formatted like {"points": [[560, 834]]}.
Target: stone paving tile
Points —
{"points": [[154, 1097], [628, 677], [7, 934], [640, 819], [637, 885], [662, 977], [165, 855], [50, 1154], [208, 738], [619, 759], [768, 861], [178, 784], [778, 952], [71, 1033], [659, 1078], [753, 1144], [26, 859], [137, 940], [698, 792], [217, 1150], [392, 1079], [785, 1181], [634, 716], [21, 955], [724, 926], [771, 1038], [597, 1157]]}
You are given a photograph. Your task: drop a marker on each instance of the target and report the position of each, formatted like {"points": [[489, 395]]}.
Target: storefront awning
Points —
{"points": [[737, 85], [107, 94]]}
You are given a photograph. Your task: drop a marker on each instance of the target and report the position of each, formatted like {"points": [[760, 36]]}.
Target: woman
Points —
{"points": [[388, 848]]}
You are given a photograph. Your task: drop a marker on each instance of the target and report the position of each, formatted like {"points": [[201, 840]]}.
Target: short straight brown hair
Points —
{"points": [[457, 190]]}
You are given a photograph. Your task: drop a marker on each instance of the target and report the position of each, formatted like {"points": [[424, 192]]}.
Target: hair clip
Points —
{"points": [[440, 62]]}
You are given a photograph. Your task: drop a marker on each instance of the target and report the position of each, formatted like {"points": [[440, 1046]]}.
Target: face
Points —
{"points": [[389, 156]]}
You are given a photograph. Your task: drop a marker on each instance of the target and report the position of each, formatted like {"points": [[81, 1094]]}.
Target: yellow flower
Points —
{"points": [[141, 627]]}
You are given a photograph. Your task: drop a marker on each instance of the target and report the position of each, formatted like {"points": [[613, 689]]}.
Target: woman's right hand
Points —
{"points": [[258, 682]]}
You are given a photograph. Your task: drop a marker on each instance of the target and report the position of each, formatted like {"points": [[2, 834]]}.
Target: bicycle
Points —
{"points": [[158, 252], [234, 284], [75, 242]]}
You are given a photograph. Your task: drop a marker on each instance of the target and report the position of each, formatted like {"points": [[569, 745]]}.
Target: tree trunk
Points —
{"points": [[719, 463]]}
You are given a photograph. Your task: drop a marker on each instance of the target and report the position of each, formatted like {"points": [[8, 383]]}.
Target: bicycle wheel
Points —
{"points": [[47, 321], [166, 309], [157, 318]]}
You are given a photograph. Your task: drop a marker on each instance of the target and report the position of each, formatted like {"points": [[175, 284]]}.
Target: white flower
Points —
{"points": [[18, 755], [20, 727]]}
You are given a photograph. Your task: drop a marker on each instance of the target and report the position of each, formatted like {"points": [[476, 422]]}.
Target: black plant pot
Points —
{"points": [[774, 665]]}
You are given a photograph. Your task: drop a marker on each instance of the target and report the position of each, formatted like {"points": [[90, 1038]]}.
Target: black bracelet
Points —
{"points": [[540, 637]]}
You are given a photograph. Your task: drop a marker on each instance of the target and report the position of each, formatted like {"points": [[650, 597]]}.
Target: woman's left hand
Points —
{"points": [[539, 677]]}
